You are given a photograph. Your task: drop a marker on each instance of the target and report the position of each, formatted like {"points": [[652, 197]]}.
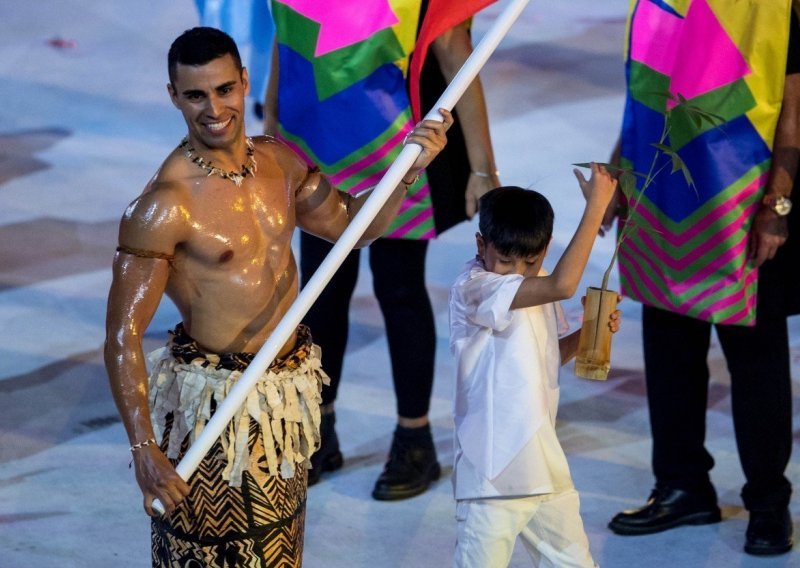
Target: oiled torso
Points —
{"points": [[234, 275]]}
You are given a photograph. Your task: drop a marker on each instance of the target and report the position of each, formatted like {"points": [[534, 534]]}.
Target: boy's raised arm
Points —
{"points": [[563, 281]]}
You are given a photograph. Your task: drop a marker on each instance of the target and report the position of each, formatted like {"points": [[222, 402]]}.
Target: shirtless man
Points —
{"points": [[213, 231]]}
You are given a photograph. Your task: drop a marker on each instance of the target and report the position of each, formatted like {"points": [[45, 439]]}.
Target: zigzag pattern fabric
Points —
{"points": [[342, 99], [729, 58], [257, 525]]}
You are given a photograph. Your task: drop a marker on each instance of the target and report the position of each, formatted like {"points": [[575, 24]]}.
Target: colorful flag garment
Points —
{"points": [[727, 57], [342, 99], [440, 16]]}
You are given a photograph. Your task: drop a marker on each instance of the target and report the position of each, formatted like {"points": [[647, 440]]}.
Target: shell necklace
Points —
{"points": [[248, 169]]}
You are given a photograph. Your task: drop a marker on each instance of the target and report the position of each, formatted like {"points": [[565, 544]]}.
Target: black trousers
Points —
{"points": [[677, 375], [398, 276]]}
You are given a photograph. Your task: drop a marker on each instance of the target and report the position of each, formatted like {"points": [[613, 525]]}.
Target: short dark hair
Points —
{"points": [[198, 46], [516, 221]]}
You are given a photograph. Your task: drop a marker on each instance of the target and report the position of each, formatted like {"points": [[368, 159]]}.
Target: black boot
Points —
{"points": [[411, 466], [327, 457]]}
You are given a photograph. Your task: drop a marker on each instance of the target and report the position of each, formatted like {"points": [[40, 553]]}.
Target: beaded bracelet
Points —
{"points": [[141, 445], [484, 174]]}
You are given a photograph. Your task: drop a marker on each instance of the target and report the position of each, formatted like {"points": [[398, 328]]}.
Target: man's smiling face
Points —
{"points": [[211, 99]]}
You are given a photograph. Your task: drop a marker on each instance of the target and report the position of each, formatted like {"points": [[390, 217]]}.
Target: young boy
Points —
{"points": [[511, 476]]}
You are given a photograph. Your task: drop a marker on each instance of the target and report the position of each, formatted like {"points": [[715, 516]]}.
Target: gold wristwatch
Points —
{"points": [[779, 204]]}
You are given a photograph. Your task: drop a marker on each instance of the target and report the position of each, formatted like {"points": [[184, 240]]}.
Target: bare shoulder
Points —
{"points": [[278, 154], [268, 143], [156, 219]]}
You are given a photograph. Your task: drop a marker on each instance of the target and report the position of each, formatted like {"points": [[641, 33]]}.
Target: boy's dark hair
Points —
{"points": [[516, 221], [198, 46]]}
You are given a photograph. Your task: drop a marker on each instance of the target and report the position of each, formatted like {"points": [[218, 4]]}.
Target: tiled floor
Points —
{"points": [[84, 122]]}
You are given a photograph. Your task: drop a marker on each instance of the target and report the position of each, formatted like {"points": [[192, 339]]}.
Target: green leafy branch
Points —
{"points": [[627, 176]]}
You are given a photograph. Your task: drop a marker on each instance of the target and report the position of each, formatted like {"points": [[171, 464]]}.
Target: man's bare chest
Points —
{"points": [[239, 225]]}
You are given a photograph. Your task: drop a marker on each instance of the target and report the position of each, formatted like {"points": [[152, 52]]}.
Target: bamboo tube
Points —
{"points": [[593, 360]]}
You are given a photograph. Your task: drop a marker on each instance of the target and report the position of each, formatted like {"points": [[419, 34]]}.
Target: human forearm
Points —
{"points": [[155, 475], [430, 136], [483, 176], [128, 380], [472, 115], [563, 282], [135, 293], [380, 224], [472, 108], [452, 49], [568, 271], [326, 213], [271, 97], [598, 191], [568, 346], [786, 147], [769, 229]]}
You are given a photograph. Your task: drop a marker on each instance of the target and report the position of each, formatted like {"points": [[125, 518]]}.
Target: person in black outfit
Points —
{"points": [[759, 365], [463, 172]]}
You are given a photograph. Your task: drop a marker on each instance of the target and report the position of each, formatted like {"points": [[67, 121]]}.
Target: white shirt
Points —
{"points": [[506, 390]]}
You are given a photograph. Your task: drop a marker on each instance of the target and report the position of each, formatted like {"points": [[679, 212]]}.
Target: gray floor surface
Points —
{"points": [[84, 122]]}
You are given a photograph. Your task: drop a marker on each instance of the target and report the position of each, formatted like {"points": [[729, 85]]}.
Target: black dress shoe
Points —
{"points": [[769, 532], [328, 457], [411, 466], [667, 508]]}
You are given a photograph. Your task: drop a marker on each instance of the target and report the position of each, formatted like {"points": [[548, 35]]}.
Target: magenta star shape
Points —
{"points": [[346, 22]]}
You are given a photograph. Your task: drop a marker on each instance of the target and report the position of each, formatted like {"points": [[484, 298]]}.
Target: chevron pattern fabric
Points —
{"points": [[342, 100], [257, 525], [728, 58]]}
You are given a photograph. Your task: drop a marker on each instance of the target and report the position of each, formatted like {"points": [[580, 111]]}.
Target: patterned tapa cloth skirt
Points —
{"points": [[246, 506]]}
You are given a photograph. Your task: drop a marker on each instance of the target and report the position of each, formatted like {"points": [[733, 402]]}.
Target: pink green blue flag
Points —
{"points": [[342, 99], [727, 57]]}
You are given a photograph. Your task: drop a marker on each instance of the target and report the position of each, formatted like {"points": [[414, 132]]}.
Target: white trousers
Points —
{"points": [[550, 527]]}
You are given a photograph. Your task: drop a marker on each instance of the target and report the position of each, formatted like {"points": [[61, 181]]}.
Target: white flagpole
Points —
{"points": [[308, 295]]}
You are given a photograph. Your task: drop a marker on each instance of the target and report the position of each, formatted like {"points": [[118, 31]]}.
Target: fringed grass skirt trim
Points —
{"points": [[188, 384]]}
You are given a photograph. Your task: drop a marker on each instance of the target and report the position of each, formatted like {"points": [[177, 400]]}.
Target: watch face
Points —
{"points": [[782, 206]]}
